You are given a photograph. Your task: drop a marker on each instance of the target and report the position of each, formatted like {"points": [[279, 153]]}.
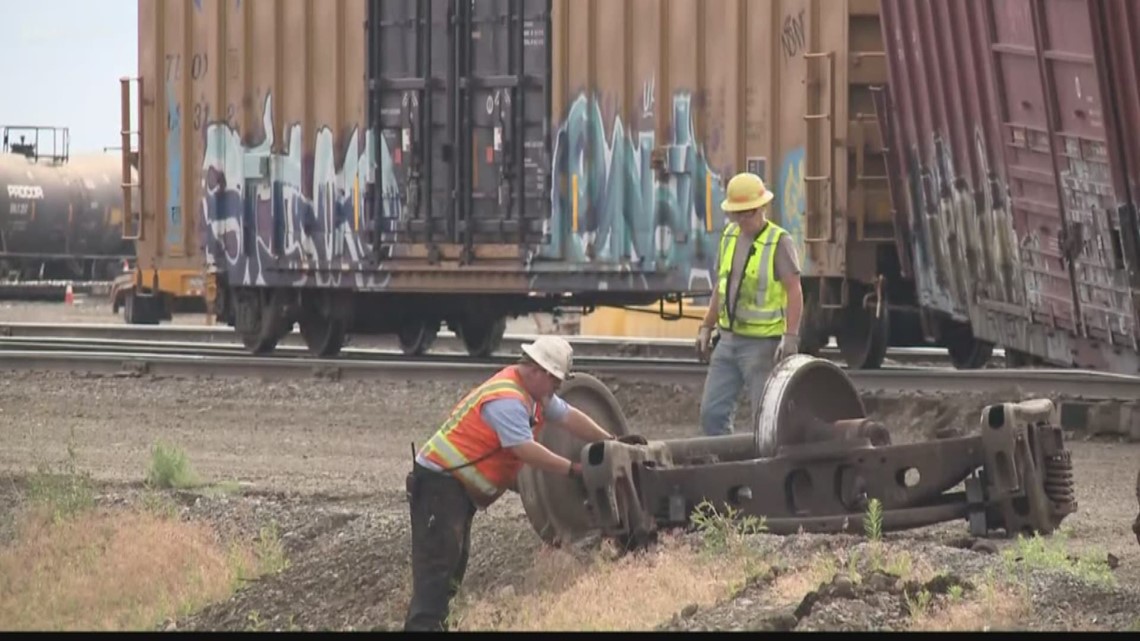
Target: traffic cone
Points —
{"points": [[68, 296]]}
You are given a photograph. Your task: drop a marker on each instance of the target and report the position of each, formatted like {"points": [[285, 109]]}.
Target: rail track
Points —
{"points": [[447, 342], [188, 358]]}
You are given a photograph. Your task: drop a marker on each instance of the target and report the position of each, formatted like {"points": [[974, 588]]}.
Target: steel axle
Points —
{"points": [[813, 464]]}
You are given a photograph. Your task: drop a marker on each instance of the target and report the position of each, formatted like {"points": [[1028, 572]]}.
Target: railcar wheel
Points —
{"points": [[799, 386], [323, 336], [554, 504], [259, 320], [417, 337], [139, 311], [966, 350], [862, 338], [482, 337], [1015, 359]]}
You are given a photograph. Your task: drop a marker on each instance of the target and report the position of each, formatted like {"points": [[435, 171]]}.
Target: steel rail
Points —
{"points": [[445, 343], [1065, 383]]}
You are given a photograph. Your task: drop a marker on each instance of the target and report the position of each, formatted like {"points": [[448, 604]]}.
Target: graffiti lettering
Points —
{"points": [[791, 197], [792, 36], [625, 212], [281, 223]]}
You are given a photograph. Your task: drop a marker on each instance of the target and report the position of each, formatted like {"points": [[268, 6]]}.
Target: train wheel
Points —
{"points": [[862, 338], [482, 337], [416, 337], [323, 336], [139, 311], [966, 350], [970, 354], [811, 342], [259, 320], [1015, 359]]}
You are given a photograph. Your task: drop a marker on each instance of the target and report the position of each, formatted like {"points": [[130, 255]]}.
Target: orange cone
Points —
{"points": [[68, 296]]}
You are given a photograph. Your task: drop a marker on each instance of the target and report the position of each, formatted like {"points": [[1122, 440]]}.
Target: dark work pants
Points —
{"points": [[442, 513]]}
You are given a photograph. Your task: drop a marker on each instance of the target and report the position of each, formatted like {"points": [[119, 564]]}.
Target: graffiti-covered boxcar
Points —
{"points": [[386, 166], [1015, 171]]}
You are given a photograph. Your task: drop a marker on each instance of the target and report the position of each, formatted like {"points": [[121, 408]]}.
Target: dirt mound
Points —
{"points": [[349, 563], [935, 582]]}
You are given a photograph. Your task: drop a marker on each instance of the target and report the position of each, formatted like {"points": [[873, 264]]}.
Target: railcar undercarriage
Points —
{"points": [[813, 463]]}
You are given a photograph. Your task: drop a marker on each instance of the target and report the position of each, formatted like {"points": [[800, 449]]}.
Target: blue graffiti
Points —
{"points": [[791, 199], [625, 211], [291, 217]]}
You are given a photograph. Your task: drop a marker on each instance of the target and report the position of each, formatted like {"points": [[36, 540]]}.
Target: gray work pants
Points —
{"points": [[736, 361]]}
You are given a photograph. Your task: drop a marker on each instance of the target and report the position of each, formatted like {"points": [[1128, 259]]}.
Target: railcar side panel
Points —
{"points": [[504, 146], [1006, 116]]}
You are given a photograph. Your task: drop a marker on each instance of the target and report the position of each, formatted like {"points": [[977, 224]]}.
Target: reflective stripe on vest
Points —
{"points": [[443, 451], [760, 297]]}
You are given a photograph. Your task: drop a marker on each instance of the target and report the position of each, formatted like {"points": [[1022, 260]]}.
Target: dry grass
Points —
{"points": [[791, 588], [632, 593], [112, 571], [1001, 609]]}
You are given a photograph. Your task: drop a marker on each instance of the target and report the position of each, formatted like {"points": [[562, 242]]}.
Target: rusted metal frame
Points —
{"points": [[778, 488], [825, 486]]}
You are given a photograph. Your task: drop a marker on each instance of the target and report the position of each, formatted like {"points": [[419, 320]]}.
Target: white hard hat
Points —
{"points": [[553, 354]]}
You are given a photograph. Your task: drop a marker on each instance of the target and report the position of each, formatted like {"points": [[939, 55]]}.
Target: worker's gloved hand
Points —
{"points": [[789, 345], [704, 343], [633, 439]]}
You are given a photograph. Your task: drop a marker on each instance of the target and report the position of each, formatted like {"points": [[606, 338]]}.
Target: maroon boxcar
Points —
{"points": [[1012, 174]]}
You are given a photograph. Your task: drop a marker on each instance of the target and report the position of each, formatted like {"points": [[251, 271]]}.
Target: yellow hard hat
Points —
{"points": [[746, 191]]}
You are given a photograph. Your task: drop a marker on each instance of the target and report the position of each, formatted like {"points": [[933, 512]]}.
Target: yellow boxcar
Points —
{"points": [[380, 166]]}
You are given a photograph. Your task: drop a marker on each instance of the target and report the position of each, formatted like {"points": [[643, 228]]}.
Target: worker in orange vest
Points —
{"points": [[476, 456]]}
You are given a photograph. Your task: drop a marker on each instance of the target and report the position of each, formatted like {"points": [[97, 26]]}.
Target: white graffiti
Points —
{"points": [[306, 222]]}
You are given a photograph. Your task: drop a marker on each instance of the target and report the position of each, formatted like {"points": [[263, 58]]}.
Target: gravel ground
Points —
{"points": [[326, 461]]}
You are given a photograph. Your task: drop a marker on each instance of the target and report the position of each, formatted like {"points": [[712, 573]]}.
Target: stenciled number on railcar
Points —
{"points": [[199, 65]]}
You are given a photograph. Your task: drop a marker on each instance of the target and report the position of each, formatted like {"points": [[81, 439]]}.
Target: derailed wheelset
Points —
{"points": [[813, 463]]}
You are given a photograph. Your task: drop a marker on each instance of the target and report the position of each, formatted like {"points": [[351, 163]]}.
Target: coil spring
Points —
{"points": [[1059, 478]]}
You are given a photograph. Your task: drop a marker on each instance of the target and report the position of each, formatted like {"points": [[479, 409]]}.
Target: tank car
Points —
{"points": [[60, 215]]}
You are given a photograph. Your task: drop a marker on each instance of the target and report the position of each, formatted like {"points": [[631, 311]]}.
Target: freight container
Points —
{"points": [[390, 165], [1014, 171]]}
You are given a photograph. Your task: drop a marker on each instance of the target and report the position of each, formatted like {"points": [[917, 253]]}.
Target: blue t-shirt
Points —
{"points": [[510, 419]]}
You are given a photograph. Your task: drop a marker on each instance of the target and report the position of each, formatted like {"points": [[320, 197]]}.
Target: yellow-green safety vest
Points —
{"points": [[760, 297]]}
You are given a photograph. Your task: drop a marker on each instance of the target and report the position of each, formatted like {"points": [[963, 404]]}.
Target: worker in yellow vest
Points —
{"points": [[475, 457], [756, 306]]}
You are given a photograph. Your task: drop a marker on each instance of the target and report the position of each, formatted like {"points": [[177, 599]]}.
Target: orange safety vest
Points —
{"points": [[469, 448]]}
